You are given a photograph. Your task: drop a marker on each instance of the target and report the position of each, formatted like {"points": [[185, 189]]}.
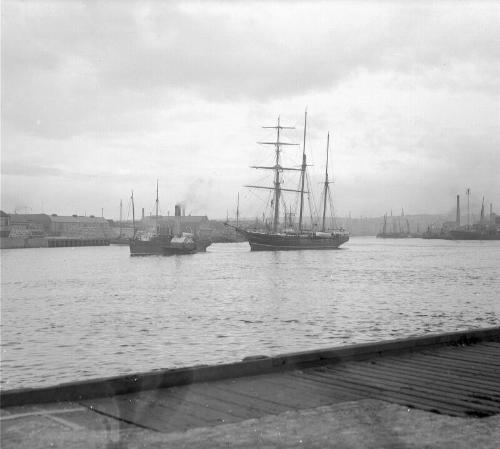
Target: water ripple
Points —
{"points": [[72, 314]]}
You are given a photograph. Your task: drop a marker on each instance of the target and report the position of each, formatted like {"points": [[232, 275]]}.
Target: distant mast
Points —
{"points": [[326, 187], [303, 173], [121, 214], [238, 211], [133, 211], [156, 204], [468, 207]]}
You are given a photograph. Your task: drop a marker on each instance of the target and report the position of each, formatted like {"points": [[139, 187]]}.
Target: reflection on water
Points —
{"points": [[75, 313]]}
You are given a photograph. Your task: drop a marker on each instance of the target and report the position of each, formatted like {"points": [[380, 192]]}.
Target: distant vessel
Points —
{"points": [[163, 243], [483, 230], [475, 234], [146, 243], [397, 231], [121, 239], [292, 239]]}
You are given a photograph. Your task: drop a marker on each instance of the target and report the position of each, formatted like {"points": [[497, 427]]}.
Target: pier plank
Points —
{"points": [[475, 351], [197, 397], [327, 393], [264, 404], [397, 392], [259, 388], [436, 360], [425, 389], [490, 344], [479, 361], [483, 370], [393, 396], [143, 411], [368, 373], [418, 375], [446, 375], [485, 347], [243, 410]]}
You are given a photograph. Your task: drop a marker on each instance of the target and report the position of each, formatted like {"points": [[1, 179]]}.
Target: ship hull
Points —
{"points": [[260, 241], [159, 248], [145, 248], [474, 235]]}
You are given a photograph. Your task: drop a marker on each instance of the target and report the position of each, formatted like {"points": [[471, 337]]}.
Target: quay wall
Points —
{"points": [[48, 242], [23, 242], [111, 386]]}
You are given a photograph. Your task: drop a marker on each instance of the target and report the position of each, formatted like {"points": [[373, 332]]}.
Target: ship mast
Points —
{"points": [[121, 209], [133, 211], [238, 211], [326, 187], [156, 205], [468, 207], [303, 173], [277, 168]]}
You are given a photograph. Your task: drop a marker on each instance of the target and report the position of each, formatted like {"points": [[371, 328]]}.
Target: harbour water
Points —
{"points": [[76, 313]]}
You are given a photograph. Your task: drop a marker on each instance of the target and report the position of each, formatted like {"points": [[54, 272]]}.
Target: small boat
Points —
{"points": [[162, 242]]}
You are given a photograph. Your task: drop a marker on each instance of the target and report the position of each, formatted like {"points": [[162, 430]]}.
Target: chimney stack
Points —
{"points": [[458, 210], [143, 213]]}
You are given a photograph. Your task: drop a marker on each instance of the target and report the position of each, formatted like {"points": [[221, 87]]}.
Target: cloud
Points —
{"points": [[122, 93], [77, 67]]}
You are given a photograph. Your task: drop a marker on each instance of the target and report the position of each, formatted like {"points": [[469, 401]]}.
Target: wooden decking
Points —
{"points": [[457, 375], [458, 381]]}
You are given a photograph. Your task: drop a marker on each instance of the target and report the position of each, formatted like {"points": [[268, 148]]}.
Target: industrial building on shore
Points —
{"points": [[43, 230]]}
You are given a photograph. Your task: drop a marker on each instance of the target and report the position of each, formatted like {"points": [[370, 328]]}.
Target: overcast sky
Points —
{"points": [[99, 98]]}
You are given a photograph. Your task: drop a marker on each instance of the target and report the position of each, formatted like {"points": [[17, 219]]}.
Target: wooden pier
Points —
{"points": [[454, 374]]}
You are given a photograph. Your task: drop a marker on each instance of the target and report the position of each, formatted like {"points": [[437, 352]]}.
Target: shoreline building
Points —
{"points": [[42, 230]]}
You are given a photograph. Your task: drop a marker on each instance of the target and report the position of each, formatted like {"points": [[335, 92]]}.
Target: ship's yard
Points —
{"points": [[434, 391]]}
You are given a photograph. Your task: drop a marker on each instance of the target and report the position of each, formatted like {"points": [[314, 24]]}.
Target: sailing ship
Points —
{"points": [[397, 230], [121, 239], [162, 241], [280, 237]]}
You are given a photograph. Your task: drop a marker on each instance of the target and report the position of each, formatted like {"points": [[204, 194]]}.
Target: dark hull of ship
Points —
{"points": [[158, 248], [145, 247], [442, 236], [474, 235], [261, 241]]}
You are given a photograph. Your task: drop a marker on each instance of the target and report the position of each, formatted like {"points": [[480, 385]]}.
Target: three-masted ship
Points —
{"points": [[279, 237]]}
